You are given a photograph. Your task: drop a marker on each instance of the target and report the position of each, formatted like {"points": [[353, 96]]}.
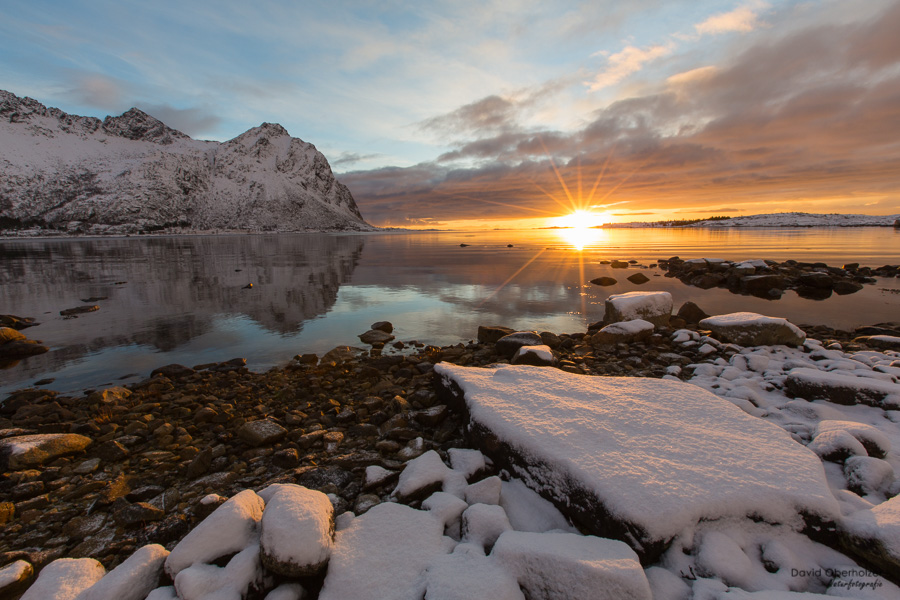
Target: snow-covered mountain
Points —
{"points": [[133, 173], [797, 219], [792, 219]]}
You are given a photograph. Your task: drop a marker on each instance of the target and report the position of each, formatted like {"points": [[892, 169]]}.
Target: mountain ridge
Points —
{"points": [[132, 173]]}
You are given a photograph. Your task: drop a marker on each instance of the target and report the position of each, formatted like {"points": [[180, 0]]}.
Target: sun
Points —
{"points": [[580, 219]]}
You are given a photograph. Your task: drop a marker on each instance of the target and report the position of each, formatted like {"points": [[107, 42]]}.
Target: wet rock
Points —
{"points": [[638, 278], [385, 326], [173, 371], [375, 336], [491, 334], [508, 344], [604, 281], [138, 513], [10, 335], [691, 313], [262, 432], [760, 285], [111, 395], [111, 451], [22, 452], [618, 264], [14, 322], [843, 287]]}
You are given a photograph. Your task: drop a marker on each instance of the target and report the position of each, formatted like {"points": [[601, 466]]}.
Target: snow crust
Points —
{"points": [[659, 454]]}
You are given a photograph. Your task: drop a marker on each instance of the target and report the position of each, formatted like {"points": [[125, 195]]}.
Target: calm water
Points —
{"points": [[181, 299]]}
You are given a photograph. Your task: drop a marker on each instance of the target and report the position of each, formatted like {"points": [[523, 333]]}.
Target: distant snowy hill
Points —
{"points": [[132, 173], [794, 219]]}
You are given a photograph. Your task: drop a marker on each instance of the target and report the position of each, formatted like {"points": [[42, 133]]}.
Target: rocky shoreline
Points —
{"points": [[150, 460]]}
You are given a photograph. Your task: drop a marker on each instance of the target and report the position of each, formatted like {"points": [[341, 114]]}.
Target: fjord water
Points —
{"points": [[184, 299]]}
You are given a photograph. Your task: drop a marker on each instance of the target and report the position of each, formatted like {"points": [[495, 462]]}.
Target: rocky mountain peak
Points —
{"points": [[135, 124], [69, 173]]}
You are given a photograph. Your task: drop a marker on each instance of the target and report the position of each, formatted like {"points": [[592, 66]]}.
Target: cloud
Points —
{"points": [[630, 60], [491, 113], [351, 158], [98, 91], [192, 121], [742, 19], [803, 118]]}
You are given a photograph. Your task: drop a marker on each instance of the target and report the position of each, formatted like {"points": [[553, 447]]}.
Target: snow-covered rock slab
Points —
{"points": [[751, 329], [383, 554], [296, 531], [813, 384], [466, 574], [655, 307], [567, 566], [636, 459]]}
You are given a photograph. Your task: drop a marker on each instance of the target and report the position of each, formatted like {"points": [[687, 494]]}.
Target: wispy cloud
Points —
{"points": [[630, 60], [743, 19]]}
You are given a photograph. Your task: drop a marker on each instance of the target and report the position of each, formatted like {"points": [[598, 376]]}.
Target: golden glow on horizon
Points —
{"points": [[580, 219], [581, 237]]}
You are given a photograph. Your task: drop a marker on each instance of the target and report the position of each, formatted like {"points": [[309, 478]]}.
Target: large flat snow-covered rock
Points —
{"points": [[636, 459]]}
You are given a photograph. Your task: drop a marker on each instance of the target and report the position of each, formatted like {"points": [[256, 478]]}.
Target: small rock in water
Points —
{"points": [[385, 326], [375, 336], [638, 278], [79, 310], [604, 281]]}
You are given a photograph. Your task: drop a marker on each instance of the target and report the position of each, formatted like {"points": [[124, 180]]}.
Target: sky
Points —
{"points": [[503, 113]]}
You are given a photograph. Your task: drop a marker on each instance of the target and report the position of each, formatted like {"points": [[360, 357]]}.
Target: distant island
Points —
{"points": [[791, 219]]}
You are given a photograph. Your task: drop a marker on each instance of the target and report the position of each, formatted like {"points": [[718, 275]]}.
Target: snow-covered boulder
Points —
{"points": [[482, 524], [875, 442], [566, 566], [231, 582], [361, 568], [875, 535], [466, 574], [131, 580], [632, 458], [422, 476], [751, 329], [623, 332], [27, 451], [655, 307], [296, 531], [842, 388], [64, 579], [486, 491], [539, 356], [230, 528]]}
